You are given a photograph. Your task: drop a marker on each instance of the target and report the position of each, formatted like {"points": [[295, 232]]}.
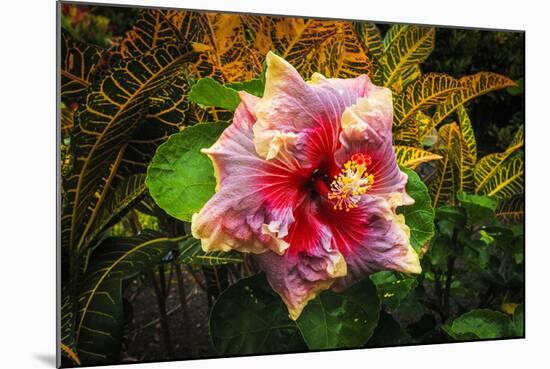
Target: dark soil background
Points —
{"points": [[143, 339]]}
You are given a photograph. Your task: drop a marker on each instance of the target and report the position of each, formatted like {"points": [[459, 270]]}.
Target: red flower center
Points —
{"points": [[345, 188]]}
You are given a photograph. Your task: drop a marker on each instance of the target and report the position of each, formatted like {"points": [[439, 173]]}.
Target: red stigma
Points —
{"points": [[361, 158]]}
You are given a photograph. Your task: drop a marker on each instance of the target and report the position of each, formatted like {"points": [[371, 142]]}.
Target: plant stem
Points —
{"points": [[196, 278], [183, 303], [448, 281], [161, 302]]}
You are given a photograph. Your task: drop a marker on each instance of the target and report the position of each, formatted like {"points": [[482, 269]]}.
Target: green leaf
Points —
{"points": [[388, 332], [180, 178], [479, 324], [478, 208], [391, 288], [419, 216], [249, 318], [254, 86], [209, 92], [338, 320], [100, 314], [518, 89], [518, 320], [451, 213], [440, 250], [190, 252]]}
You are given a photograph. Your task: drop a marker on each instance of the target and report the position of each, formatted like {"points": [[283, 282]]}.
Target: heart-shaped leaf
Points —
{"points": [[180, 178], [479, 324], [249, 318], [338, 320]]}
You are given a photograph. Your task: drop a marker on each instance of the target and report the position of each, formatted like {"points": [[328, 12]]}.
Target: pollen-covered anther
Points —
{"points": [[353, 181]]}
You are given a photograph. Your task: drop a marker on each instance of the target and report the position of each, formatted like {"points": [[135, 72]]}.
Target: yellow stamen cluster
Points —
{"points": [[348, 186]]}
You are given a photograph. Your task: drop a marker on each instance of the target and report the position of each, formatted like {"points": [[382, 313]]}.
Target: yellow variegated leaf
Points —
{"points": [[518, 139], [407, 134], [334, 49], [443, 184], [98, 328], [488, 166], [467, 132], [113, 111], [411, 157], [473, 86], [508, 179], [68, 319], [298, 40], [512, 210], [119, 199], [342, 55], [373, 41], [392, 35], [467, 157], [70, 353], [425, 92], [78, 61], [404, 47], [407, 77], [167, 109], [151, 30], [167, 114], [225, 54], [66, 120]]}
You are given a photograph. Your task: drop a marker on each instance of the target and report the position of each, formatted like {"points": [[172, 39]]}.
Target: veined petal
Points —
{"points": [[253, 207], [298, 279], [310, 265], [371, 238], [305, 116], [367, 128]]}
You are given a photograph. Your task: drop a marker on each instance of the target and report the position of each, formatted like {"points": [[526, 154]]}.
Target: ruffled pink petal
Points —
{"points": [[309, 266], [307, 114], [253, 207], [367, 128], [372, 238]]}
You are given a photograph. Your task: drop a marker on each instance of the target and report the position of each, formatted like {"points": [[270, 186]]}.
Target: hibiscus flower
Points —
{"points": [[307, 180]]}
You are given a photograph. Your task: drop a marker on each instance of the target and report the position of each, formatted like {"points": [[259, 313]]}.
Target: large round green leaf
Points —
{"points": [[249, 318], [478, 208], [480, 324], [419, 216], [338, 320], [180, 178]]}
